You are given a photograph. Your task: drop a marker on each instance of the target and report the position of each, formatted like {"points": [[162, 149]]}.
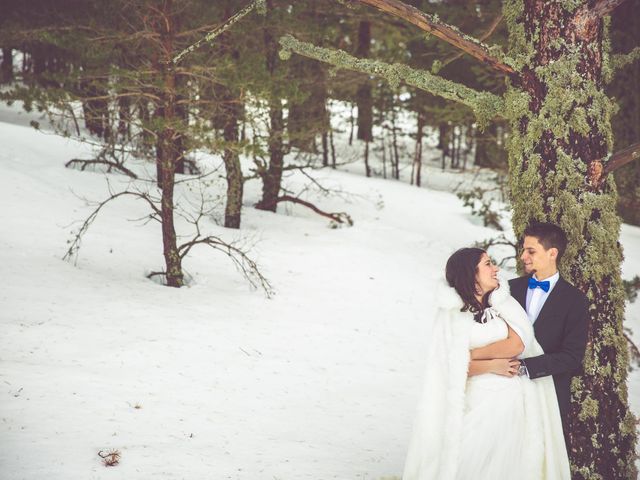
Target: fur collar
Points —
{"points": [[448, 299]]}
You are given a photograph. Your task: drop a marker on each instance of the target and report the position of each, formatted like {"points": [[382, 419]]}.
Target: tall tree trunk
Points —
{"points": [[364, 98], [562, 126], [272, 177], [167, 151], [228, 116]]}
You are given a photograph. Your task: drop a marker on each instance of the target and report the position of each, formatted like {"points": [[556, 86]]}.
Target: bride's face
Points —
{"points": [[486, 275]]}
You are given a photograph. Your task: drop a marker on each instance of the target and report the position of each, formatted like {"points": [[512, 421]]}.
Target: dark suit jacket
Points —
{"points": [[561, 331]]}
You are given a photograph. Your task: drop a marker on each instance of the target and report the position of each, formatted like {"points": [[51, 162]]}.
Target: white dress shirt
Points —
{"points": [[536, 296]]}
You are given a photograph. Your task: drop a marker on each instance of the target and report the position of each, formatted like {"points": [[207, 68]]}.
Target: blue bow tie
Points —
{"points": [[533, 283]]}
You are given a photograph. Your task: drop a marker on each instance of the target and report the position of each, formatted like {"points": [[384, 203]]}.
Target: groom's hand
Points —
{"points": [[505, 367]]}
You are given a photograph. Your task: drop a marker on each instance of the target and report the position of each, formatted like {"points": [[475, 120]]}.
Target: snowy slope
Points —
{"points": [[215, 381]]}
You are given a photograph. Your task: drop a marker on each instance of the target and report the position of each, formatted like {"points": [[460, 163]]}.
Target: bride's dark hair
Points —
{"points": [[461, 271]]}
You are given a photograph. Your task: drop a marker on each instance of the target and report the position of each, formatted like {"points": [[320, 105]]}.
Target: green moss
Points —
{"points": [[485, 105]]}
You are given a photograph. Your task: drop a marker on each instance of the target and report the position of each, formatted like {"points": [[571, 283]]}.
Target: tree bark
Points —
{"points": [[549, 154], [417, 159], [167, 154], [6, 68], [235, 179], [272, 177], [367, 168], [364, 98], [394, 143]]}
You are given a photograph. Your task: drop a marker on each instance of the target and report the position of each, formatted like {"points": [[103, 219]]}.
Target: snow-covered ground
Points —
{"points": [[214, 380]]}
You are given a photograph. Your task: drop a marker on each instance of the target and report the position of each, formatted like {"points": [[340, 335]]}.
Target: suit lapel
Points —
{"points": [[553, 301], [520, 291]]}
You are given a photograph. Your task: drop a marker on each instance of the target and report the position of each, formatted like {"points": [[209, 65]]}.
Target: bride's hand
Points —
{"points": [[506, 367]]}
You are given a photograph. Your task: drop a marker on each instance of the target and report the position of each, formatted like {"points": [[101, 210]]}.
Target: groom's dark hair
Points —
{"points": [[549, 236]]}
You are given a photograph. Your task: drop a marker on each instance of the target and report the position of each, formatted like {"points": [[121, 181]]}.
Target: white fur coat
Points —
{"points": [[433, 452]]}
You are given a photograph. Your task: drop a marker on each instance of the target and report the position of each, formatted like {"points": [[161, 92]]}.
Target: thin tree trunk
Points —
{"points": [[364, 96], [384, 157], [167, 153], [396, 156], [366, 159], [352, 126], [333, 148], [6, 68], [417, 159], [325, 149]]}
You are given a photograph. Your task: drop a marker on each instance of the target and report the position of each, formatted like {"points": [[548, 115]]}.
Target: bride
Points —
{"points": [[478, 419]]}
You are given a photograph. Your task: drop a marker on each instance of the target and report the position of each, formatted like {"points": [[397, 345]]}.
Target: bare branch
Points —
{"points": [[633, 348], [340, 218], [598, 170], [216, 32], [624, 59], [448, 33], [602, 7], [73, 249], [485, 35], [485, 105], [621, 158], [110, 165], [586, 17]]}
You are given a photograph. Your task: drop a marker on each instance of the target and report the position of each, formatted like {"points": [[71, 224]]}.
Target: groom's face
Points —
{"points": [[537, 259]]}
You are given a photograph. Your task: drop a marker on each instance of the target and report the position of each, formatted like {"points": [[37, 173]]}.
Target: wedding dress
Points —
{"points": [[486, 427]]}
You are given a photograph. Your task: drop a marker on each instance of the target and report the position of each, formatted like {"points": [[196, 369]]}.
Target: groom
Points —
{"points": [[557, 310]]}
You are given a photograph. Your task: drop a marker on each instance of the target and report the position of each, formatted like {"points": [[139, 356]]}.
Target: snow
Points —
{"points": [[215, 380]]}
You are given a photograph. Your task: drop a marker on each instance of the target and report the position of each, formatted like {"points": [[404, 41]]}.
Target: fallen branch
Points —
{"points": [[83, 164], [111, 458], [340, 217]]}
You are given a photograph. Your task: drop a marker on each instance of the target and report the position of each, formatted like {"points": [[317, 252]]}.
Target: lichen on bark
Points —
{"points": [[560, 122], [485, 105]]}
